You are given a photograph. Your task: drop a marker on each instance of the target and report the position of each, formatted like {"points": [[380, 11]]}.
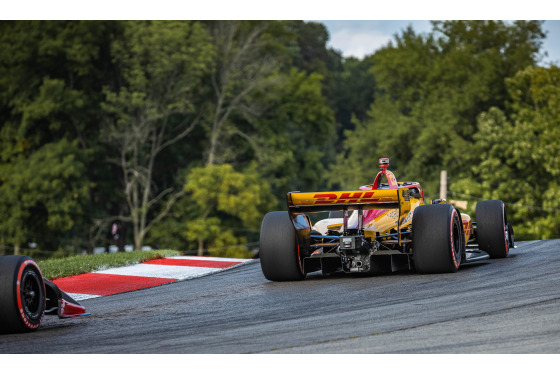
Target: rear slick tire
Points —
{"points": [[279, 249], [22, 295], [492, 228], [437, 239]]}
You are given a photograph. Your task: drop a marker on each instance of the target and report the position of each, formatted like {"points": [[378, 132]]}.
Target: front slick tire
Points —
{"points": [[22, 295], [437, 239], [492, 228], [279, 249]]}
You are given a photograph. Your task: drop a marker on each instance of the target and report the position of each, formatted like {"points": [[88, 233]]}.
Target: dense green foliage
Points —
{"points": [[520, 154], [186, 133], [466, 98]]}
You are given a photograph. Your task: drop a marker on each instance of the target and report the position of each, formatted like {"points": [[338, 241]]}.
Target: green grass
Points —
{"points": [[65, 267]]}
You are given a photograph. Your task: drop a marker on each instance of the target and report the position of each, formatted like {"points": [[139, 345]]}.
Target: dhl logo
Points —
{"points": [[467, 227], [345, 198]]}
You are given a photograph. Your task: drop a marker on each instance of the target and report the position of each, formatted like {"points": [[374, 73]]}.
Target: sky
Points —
{"points": [[361, 38]]}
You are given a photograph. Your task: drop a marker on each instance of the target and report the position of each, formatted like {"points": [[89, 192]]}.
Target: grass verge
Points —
{"points": [[75, 265]]}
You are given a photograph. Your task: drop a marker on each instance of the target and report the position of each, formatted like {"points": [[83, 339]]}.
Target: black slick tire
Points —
{"points": [[492, 228], [22, 295], [437, 239], [279, 249]]}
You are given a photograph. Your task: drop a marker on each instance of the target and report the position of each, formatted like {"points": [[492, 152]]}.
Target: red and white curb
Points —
{"points": [[147, 274]]}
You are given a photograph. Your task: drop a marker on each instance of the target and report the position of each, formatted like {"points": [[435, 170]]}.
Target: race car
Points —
{"points": [[381, 228], [25, 296]]}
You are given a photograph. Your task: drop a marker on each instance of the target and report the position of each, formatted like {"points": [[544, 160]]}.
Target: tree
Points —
{"points": [[43, 196], [519, 155], [225, 196], [244, 67], [430, 88], [232, 204], [354, 93], [282, 148], [297, 132], [50, 84], [162, 64]]}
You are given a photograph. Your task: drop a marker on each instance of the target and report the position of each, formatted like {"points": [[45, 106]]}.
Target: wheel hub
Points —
{"points": [[31, 294]]}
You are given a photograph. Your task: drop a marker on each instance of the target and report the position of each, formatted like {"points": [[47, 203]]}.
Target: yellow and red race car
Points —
{"points": [[380, 228]]}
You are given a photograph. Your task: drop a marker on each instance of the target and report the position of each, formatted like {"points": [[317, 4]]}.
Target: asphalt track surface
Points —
{"points": [[509, 305]]}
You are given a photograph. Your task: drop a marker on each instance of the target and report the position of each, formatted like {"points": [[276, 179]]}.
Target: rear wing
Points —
{"points": [[348, 200], [310, 202]]}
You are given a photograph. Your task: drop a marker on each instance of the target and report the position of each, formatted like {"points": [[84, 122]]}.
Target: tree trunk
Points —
{"points": [[17, 249], [138, 242], [200, 247]]}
